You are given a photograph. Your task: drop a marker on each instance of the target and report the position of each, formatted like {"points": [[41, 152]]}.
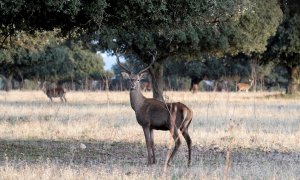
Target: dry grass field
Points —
{"points": [[95, 136]]}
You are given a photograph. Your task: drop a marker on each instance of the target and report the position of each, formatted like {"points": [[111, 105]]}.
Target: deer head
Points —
{"points": [[135, 79]]}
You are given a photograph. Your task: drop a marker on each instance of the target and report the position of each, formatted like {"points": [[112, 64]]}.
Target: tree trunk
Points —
{"points": [[261, 80], [121, 84], [253, 74], [22, 83], [293, 79], [8, 83], [156, 72], [72, 84], [106, 84], [86, 83]]}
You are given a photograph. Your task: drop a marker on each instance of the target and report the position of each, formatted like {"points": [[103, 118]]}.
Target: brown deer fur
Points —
{"points": [[244, 86], [55, 92]]}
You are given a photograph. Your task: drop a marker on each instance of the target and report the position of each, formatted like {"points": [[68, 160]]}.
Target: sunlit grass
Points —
{"points": [[254, 122]]}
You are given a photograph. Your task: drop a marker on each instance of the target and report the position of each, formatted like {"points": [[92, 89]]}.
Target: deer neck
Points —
{"points": [[136, 99]]}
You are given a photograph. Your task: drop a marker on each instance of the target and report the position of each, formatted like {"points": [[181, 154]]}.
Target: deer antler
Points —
{"points": [[153, 60], [119, 63]]}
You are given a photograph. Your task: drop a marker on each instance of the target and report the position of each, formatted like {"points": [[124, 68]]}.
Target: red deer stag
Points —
{"points": [[153, 114], [244, 86], [55, 92]]}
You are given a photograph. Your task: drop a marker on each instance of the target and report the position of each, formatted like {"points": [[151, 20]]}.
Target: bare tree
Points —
{"points": [[153, 114]]}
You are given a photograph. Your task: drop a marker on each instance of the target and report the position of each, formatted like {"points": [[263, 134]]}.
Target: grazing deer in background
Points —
{"points": [[153, 114], [244, 86], [209, 85], [55, 92], [194, 84]]}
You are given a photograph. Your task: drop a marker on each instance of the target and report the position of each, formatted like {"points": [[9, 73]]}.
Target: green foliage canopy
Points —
{"points": [[51, 59], [189, 28], [285, 46], [68, 15]]}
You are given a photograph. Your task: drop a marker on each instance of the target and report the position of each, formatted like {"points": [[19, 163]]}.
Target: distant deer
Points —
{"points": [[209, 85], [55, 92], [153, 114], [244, 86], [194, 84]]}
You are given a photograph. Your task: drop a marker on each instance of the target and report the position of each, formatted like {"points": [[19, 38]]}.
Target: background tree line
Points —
{"points": [[224, 73], [45, 57], [201, 33]]}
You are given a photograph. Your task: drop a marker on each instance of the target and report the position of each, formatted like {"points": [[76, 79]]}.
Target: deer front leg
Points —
{"points": [[148, 143], [152, 146]]}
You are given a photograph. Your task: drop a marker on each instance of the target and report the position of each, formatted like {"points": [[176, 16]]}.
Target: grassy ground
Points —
{"points": [[95, 136]]}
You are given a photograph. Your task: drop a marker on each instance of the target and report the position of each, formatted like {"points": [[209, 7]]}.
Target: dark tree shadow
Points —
{"points": [[128, 153]]}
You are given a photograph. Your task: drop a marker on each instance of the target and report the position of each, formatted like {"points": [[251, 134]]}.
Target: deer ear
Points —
{"points": [[125, 75], [143, 75]]}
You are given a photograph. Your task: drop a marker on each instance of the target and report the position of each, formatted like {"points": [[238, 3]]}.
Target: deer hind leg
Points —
{"points": [[148, 143], [189, 144], [61, 98], [174, 132], [65, 98], [152, 145], [184, 130], [185, 134]]}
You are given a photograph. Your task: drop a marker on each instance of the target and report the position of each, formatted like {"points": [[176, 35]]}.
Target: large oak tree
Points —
{"points": [[187, 29], [284, 47]]}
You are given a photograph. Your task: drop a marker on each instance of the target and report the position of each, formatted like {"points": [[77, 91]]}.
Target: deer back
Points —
{"points": [[56, 92], [156, 114], [243, 86], [153, 113]]}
